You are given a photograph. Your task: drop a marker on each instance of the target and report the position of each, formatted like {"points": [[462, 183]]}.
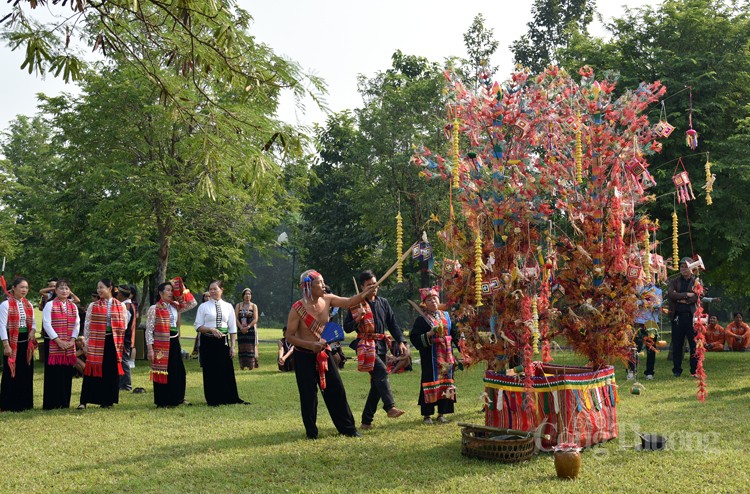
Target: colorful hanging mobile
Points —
{"points": [[663, 128], [681, 181], [691, 136]]}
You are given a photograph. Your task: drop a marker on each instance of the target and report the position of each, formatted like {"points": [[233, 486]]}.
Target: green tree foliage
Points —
{"points": [[365, 176], [109, 184], [185, 48], [550, 29], [480, 45], [703, 44]]}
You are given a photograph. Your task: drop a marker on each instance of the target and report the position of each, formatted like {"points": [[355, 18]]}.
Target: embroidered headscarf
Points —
{"points": [[306, 281], [424, 293]]}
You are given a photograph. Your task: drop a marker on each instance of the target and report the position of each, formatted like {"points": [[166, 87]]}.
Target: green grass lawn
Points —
{"points": [[134, 447]]}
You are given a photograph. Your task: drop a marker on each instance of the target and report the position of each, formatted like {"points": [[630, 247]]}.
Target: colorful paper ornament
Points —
{"points": [[663, 128], [684, 189], [519, 128], [634, 272]]}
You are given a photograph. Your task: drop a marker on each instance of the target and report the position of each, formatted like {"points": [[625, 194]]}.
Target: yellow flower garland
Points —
{"points": [[675, 253], [478, 268], [399, 248]]}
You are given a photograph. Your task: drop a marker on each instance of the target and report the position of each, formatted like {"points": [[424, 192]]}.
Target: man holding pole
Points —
{"points": [[383, 317]]}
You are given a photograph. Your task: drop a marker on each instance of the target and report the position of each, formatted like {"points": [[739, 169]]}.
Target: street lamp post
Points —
{"points": [[281, 241]]}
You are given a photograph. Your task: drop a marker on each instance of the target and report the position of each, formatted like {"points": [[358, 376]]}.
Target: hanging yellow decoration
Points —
{"points": [[647, 248], [399, 248], [675, 253], [535, 325], [456, 157], [478, 268], [579, 151], [709, 183]]}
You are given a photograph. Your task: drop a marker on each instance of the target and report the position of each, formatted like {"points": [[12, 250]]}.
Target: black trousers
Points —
{"points": [[682, 327], [219, 383], [334, 394], [17, 393], [380, 389], [650, 354], [172, 393], [105, 390]]}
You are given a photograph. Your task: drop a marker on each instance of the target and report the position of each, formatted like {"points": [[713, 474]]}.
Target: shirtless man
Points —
{"points": [[313, 364]]}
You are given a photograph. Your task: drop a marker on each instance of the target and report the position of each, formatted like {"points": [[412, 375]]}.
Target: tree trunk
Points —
{"points": [[161, 268]]}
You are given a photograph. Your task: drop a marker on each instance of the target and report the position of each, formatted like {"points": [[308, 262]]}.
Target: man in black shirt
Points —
{"points": [[683, 302], [380, 387]]}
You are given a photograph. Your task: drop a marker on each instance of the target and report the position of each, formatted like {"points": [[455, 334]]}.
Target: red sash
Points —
{"points": [[321, 360], [162, 326], [14, 324], [63, 322], [97, 334], [366, 347]]}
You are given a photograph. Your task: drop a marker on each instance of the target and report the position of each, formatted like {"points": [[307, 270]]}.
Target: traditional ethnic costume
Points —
{"points": [[60, 319], [319, 370], [247, 343], [219, 382], [372, 349], [104, 334], [17, 387], [436, 353], [167, 369]]}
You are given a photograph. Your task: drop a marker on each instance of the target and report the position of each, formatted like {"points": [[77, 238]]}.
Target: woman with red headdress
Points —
{"points": [[433, 335], [313, 364], [17, 330], [104, 339], [163, 344], [61, 322]]}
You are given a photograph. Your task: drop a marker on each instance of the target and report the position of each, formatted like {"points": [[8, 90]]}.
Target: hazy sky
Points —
{"points": [[337, 40]]}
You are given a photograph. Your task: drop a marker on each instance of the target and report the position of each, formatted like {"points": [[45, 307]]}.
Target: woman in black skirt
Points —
{"points": [[61, 323], [164, 350], [104, 334], [215, 321], [17, 329]]}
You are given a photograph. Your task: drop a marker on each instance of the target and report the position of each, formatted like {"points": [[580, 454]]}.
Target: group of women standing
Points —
{"points": [[103, 341]]}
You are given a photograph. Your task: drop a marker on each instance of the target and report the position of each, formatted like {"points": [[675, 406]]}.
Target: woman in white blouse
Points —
{"points": [[164, 350], [17, 329], [217, 326], [61, 322]]}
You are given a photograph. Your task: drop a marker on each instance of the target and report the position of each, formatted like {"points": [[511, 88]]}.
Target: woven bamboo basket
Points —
{"points": [[487, 445]]}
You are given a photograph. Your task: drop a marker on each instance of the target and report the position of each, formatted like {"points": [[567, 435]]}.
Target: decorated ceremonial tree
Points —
{"points": [[546, 173]]}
